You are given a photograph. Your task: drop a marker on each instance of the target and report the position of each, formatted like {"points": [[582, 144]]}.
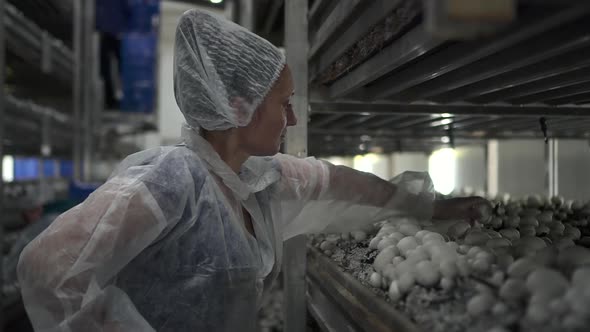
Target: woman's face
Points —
{"points": [[265, 133]]}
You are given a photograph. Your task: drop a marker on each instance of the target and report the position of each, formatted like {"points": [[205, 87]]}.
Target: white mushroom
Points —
{"points": [[543, 230], [512, 221], [374, 242], [545, 217], [546, 281], [375, 279], [537, 313], [447, 283], [497, 222], [513, 290], [521, 268], [557, 200], [394, 292], [327, 245], [390, 273], [420, 234], [433, 237], [427, 274], [529, 221], [496, 243], [581, 276], [476, 237], [527, 231], [480, 304], [359, 236], [419, 254], [504, 261], [409, 229], [458, 229], [386, 242], [405, 282], [407, 243], [564, 243], [463, 266], [534, 201], [510, 233], [572, 257], [384, 257], [396, 236], [530, 212], [572, 232], [500, 309], [449, 269]]}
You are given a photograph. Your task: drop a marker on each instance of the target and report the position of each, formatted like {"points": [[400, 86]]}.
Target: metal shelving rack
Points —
{"points": [[376, 70], [29, 125], [384, 73]]}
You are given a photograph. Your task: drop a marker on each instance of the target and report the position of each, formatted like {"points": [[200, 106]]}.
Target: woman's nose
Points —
{"points": [[291, 118]]}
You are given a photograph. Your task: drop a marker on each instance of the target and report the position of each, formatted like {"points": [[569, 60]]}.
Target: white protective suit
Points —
{"points": [[162, 246]]}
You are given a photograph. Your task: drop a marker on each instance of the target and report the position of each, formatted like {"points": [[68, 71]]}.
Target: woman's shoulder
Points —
{"points": [[168, 166]]}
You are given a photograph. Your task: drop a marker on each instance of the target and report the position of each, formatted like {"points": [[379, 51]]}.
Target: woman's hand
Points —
{"points": [[465, 208]]}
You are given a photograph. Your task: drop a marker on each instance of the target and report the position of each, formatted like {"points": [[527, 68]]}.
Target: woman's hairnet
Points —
{"points": [[222, 72]]}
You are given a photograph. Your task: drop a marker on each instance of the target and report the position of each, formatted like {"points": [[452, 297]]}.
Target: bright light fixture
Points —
{"points": [[442, 169], [216, 1], [8, 168], [365, 163]]}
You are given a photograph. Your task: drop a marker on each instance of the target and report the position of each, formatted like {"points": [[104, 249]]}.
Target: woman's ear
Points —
{"points": [[242, 109]]}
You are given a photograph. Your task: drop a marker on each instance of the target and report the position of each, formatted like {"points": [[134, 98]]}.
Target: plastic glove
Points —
{"points": [[466, 208]]}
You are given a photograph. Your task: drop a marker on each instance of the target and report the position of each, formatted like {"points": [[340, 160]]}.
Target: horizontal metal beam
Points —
{"points": [[462, 54], [410, 46], [556, 92], [548, 46], [389, 119], [328, 119], [558, 75], [354, 122], [440, 133], [425, 108], [571, 99]]}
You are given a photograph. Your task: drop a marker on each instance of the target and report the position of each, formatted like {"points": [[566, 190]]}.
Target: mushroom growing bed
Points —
{"points": [[385, 32], [524, 267]]}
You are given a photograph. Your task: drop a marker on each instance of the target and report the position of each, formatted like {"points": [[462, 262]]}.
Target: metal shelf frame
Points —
{"points": [[339, 302], [36, 46], [423, 86], [379, 80], [27, 128]]}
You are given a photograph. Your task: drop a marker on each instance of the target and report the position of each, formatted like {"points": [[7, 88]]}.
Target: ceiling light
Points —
{"points": [[216, 1]]}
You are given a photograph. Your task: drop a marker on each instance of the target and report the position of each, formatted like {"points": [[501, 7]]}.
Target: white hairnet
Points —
{"points": [[222, 72]]}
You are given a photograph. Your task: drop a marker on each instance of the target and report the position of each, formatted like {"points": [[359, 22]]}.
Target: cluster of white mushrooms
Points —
{"points": [[525, 256]]}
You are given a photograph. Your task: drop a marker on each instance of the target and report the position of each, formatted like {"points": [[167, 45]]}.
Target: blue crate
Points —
{"points": [[138, 49], [138, 97], [26, 168], [66, 169], [79, 191], [132, 74], [138, 75], [49, 169], [143, 15]]}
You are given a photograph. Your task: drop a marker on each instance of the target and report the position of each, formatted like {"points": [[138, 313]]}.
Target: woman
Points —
{"points": [[185, 238]]}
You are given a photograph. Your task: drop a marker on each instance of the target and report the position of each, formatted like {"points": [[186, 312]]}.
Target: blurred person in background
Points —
{"points": [[112, 19]]}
